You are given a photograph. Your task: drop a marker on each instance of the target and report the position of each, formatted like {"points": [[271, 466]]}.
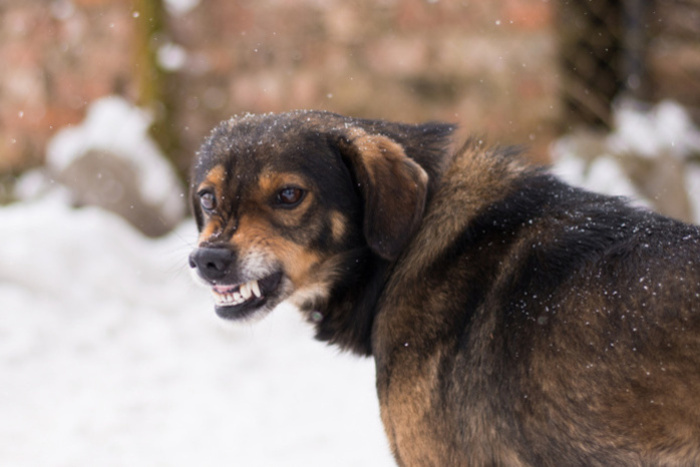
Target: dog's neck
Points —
{"points": [[346, 317]]}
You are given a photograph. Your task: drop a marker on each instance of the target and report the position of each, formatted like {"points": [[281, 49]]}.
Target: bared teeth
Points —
{"points": [[245, 291], [255, 288], [232, 296]]}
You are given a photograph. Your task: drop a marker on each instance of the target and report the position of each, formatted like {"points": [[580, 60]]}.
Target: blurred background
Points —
{"points": [[517, 71], [107, 352]]}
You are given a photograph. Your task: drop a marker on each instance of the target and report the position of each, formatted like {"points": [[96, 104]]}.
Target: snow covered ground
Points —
{"points": [[111, 356]]}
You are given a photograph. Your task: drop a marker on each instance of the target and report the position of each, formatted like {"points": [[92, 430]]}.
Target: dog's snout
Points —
{"points": [[212, 263]]}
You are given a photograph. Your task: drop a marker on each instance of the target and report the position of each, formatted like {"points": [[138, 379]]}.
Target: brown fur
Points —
{"points": [[514, 320]]}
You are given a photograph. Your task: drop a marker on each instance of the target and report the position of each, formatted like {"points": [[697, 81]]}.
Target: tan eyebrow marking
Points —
{"points": [[214, 179], [269, 182]]}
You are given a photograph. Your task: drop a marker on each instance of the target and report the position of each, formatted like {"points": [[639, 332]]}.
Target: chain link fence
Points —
{"points": [[648, 49]]}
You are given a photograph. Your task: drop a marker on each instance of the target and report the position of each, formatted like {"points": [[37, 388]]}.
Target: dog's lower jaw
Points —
{"points": [[248, 301], [309, 300]]}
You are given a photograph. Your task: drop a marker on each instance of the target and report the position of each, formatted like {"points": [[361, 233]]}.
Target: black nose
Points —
{"points": [[213, 264]]}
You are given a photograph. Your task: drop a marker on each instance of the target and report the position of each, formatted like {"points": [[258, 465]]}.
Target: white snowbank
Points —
{"points": [[110, 356], [114, 125], [603, 175], [641, 131], [651, 131]]}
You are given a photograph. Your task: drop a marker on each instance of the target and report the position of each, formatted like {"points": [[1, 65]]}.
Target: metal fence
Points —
{"points": [[603, 46], [649, 49]]}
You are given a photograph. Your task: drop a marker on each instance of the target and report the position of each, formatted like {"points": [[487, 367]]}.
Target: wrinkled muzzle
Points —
{"points": [[237, 294]]}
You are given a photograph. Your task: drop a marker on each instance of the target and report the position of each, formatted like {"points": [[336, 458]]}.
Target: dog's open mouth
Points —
{"points": [[238, 301]]}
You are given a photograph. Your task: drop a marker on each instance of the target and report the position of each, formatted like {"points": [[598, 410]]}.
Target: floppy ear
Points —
{"points": [[393, 186]]}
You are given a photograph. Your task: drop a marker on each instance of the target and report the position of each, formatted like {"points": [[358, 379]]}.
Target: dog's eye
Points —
{"points": [[290, 196], [207, 200]]}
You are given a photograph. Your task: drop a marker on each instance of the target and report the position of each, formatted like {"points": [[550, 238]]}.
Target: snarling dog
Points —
{"points": [[514, 320]]}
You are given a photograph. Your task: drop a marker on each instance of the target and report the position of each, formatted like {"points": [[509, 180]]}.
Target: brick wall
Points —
{"points": [[57, 56], [489, 66]]}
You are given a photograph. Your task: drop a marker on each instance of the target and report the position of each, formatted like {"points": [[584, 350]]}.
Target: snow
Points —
{"points": [[171, 57], [603, 175], [661, 134], [115, 126], [666, 127], [181, 7], [111, 356]]}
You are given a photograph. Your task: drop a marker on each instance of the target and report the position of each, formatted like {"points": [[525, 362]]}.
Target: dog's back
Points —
{"points": [[557, 327]]}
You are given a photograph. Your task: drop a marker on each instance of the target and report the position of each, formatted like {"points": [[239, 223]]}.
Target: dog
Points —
{"points": [[514, 320]]}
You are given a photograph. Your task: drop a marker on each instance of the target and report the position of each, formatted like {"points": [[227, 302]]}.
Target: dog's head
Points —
{"points": [[281, 201]]}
